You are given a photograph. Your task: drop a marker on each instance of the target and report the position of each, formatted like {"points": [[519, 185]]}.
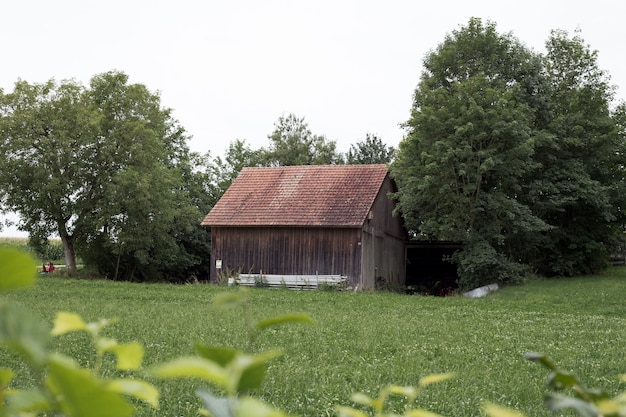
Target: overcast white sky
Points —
{"points": [[230, 68]]}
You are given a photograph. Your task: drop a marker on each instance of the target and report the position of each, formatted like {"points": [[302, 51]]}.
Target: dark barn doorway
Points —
{"points": [[428, 270]]}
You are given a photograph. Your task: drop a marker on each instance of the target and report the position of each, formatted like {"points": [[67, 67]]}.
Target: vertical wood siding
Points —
{"points": [[383, 242], [282, 250]]}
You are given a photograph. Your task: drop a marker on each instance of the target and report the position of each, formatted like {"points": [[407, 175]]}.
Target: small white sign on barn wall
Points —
{"points": [[218, 264]]}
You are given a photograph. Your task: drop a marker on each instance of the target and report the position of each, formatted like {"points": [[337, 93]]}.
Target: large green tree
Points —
{"points": [[103, 167], [293, 143], [469, 144], [516, 154], [45, 177], [578, 188], [372, 150]]}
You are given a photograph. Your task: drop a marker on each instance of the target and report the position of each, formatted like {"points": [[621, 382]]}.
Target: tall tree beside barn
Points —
{"points": [[147, 227], [516, 154], [578, 188], [468, 147]]}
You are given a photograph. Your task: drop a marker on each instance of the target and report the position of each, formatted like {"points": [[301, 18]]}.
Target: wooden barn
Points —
{"points": [[310, 220]]}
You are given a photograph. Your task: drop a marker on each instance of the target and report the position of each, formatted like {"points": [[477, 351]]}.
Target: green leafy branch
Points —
{"points": [[241, 299], [584, 401], [379, 404]]}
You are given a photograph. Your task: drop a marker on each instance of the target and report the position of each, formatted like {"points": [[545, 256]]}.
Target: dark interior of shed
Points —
{"points": [[428, 268]]}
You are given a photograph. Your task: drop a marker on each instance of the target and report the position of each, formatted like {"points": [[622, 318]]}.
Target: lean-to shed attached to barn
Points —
{"points": [[308, 220]]}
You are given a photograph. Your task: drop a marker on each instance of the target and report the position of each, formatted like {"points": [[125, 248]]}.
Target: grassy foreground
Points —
{"points": [[364, 341]]}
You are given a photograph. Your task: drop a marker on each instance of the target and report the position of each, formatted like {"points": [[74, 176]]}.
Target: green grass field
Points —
{"points": [[364, 341], [54, 252], [14, 242]]}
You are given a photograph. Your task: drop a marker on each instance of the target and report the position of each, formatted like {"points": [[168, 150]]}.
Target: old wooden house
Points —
{"points": [[309, 220]]}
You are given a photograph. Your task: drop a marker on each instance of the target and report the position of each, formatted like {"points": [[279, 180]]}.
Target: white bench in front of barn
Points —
{"points": [[300, 282]]}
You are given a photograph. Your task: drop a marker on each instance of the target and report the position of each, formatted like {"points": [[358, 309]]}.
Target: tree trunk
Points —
{"points": [[70, 255]]}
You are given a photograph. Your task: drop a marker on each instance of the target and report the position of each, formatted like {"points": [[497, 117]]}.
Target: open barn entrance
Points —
{"points": [[428, 270]]}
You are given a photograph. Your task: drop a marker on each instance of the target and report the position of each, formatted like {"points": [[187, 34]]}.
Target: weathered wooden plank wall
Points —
{"points": [[383, 242], [284, 250]]}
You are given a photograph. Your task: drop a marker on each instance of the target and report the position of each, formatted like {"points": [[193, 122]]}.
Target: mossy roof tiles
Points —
{"points": [[299, 196]]}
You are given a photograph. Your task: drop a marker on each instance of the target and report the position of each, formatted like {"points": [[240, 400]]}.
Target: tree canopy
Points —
{"points": [[102, 168], [290, 143], [372, 150], [578, 185], [293, 143], [500, 149]]}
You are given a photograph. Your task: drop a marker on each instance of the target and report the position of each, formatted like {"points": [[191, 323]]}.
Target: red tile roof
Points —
{"points": [[310, 195]]}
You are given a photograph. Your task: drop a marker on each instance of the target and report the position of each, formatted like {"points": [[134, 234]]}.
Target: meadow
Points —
{"points": [[53, 252], [361, 342]]}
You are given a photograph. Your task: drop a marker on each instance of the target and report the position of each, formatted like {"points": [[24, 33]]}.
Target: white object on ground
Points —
{"points": [[481, 291]]}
